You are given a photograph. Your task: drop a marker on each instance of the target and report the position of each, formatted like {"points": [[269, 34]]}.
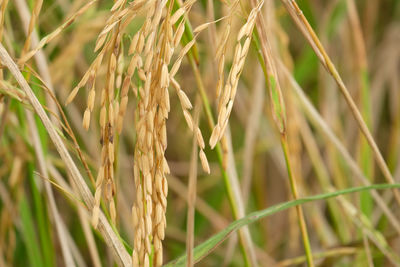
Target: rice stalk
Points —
{"points": [[232, 190], [34, 17], [132, 69], [304, 26], [317, 120], [61, 230], [84, 191], [191, 195], [279, 115]]}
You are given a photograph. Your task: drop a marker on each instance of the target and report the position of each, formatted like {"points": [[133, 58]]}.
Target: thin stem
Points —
{"points": [[316, 119], [191, 194], [304, 26], [334, 252], [299, 210], [119, 251], [244, 238], [271, 78]]}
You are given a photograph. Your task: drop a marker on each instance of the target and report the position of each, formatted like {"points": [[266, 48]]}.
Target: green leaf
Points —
{"points": [[42, 222], [209, 245], [28, 233]]}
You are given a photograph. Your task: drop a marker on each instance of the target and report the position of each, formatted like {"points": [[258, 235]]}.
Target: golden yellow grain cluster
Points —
{"points": [[227, 93], [154, 44], [151, 50]]}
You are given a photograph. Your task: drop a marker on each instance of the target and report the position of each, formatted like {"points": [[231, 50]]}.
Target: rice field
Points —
{"points": [[199, 132]]}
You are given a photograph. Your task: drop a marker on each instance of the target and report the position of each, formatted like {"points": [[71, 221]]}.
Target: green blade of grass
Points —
{"points": [[28, 232], [209, 245], [43, 223]]}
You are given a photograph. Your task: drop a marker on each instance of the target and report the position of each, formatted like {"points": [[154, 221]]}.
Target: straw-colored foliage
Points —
{"points": [[107, 108]]}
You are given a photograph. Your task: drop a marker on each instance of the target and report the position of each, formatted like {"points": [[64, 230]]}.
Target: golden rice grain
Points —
{"points": [[188, 119], [178, 34], [204, 161], [174, 18], [186, 104], [86, 119]]}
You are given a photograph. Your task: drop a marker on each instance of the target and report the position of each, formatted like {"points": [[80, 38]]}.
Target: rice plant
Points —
{"points": [[199, 132]]}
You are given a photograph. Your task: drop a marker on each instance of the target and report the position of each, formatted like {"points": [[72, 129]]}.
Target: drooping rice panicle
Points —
{"points": [[227, 92]]}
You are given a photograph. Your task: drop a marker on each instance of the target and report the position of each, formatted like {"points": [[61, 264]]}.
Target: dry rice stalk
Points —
{"points": [[301, 21], [105, 228], [191, 195], [32, 22], [3, 6]]}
